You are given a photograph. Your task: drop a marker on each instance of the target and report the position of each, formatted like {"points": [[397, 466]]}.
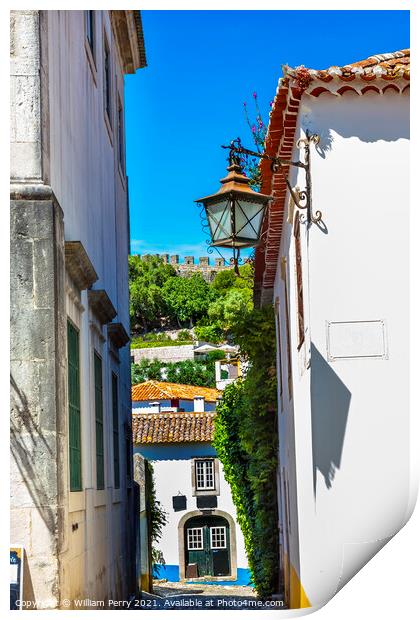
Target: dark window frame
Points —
{"points": [[116, 430], [74, 407], [99, 422]]}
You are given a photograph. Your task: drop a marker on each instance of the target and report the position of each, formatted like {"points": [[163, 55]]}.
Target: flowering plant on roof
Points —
{"points": [[258, 128], [302, 77]]}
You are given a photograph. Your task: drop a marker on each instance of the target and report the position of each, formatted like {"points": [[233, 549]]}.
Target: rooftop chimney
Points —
{"points": [[198, 403], [155, 406]]}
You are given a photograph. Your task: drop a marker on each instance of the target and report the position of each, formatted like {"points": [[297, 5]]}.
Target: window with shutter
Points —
{"points": [[115, 429], [75, 441], [99, 423]]}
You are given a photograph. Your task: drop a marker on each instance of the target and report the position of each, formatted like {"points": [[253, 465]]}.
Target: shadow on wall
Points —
{"points": [[330, 403], [31, 452], [363, 122]]}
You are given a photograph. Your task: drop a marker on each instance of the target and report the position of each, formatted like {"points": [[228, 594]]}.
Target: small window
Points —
{"points": [[218, 538], [107, 79], [90, 30], [195, 538], [120, 120], [204, 475]]}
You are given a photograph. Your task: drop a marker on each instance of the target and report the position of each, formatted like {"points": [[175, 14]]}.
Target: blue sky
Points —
{"points": [[202, 66]]}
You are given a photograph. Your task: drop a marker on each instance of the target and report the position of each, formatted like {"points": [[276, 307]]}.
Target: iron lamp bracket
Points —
{"points": [[302, 198]]}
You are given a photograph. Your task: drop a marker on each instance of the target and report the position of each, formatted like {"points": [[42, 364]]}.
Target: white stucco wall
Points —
{"points": [[65, 122], [172, 474], [348, 420]]}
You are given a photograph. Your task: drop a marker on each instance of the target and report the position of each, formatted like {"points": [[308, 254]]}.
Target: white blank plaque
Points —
{"points": [[356, 339]]}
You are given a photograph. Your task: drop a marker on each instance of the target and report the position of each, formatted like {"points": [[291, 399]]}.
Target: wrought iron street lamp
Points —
{"points": [[235, 213]]}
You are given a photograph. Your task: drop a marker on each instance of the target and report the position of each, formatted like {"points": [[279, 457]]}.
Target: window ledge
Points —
{"points": [[76, 501], [205, 492], [99, 498]]}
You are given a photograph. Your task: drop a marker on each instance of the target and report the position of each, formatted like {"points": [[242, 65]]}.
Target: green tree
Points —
{"points": [[191, 372], [187, 298], [147, 277], [233, 300], [146, 370]]}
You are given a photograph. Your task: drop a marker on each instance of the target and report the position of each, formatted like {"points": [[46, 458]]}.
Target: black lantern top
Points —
{"points": [[235, 213]]}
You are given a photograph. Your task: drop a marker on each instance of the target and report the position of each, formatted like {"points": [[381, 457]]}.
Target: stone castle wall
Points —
{"points": [[190, 266]]}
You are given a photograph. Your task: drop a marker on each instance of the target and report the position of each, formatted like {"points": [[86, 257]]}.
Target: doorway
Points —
{"points": [[207, 547]]}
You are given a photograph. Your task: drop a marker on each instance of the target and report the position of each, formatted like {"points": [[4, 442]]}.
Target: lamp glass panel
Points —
{"points": [[248, 218], [218, 215]]}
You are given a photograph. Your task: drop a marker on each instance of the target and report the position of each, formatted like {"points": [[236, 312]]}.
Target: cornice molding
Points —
{"points": [[118, 335], [78, 265], [101, 305]]}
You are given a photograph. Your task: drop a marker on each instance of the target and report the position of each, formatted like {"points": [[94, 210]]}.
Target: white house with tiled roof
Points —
{"points": [[173, 428], [155, 396], [339, 284]]}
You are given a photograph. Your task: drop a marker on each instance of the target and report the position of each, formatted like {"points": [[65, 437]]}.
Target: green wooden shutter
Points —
{"points": [[75, 442], [115, 428], [99, 420]]}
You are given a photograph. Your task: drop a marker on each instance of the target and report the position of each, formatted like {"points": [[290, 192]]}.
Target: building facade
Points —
{"points": [[201, 539], [72, 493], [339, 286]]}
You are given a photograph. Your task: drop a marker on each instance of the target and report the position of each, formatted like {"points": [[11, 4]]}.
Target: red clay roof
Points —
{"points": [[179, 427], [163, 390], [378, 73]]}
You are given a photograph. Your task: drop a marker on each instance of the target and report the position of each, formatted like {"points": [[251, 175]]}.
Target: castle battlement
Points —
{"points": [[190, 265]]}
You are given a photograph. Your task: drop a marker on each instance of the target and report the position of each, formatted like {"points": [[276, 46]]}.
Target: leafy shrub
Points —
{"points": [[158, 518], [189, 372], [184, 335], [246, 442]]}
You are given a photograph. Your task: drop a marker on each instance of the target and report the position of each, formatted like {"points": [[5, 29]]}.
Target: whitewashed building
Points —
{"points": [[201, 540], [340, 290], [72, 495]]}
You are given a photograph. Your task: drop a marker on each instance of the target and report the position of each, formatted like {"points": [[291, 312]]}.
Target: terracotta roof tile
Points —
{"points": [[378, 73], [179, 427], [388, 66], [163, 390]]}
